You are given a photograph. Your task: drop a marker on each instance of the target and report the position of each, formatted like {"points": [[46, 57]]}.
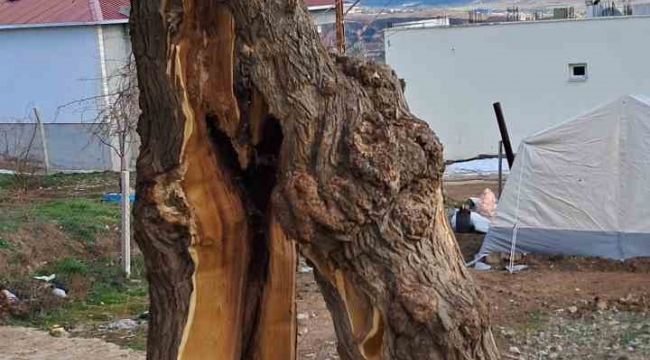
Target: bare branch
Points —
{"points": [[115, 114]]}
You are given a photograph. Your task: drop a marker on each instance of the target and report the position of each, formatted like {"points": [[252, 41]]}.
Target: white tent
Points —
{"points": [[581, 187]]}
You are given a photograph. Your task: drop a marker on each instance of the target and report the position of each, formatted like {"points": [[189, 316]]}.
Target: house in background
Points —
{"points": [[56, 53], [542, 72], [322, 11]]}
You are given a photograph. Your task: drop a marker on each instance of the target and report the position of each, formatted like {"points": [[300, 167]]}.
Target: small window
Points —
{"points": [[578, 72]]}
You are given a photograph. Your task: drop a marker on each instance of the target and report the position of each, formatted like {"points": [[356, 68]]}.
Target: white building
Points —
{"points": [[323, 11], [542, 73], [441, 21]]}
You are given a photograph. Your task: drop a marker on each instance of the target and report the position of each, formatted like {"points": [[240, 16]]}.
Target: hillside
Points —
{"points": [[410, 3]]}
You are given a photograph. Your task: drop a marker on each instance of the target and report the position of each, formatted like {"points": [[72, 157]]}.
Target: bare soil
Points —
{"points": [[30, 344]]}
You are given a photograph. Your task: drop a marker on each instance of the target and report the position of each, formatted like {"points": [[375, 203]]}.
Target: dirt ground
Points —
{"points": [[30, 344]]}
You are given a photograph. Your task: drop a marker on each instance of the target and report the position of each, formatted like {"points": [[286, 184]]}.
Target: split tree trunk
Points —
{"points": [[252, 135]]}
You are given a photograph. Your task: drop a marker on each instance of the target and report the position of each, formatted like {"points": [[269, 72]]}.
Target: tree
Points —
{"points": [[253, 135], [115, 127], [113, 124]]}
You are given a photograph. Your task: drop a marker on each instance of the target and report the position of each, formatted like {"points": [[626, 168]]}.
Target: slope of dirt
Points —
{"points": [[29, 344]]}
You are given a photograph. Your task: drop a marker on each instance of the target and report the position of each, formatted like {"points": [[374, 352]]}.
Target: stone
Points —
{"points": [[573, 309], [508, 333], [124, 324], [58, 331], [601, 304], [514, 350], [493, 259]]}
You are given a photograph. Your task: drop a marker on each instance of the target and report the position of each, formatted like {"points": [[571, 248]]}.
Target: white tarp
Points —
{"points": [[581, 187]]}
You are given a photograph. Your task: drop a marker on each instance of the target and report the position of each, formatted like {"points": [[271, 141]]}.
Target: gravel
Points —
{"points": [[597, 335]]}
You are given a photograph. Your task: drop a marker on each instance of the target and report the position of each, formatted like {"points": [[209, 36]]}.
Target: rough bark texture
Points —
{"points": [[253, 135]]}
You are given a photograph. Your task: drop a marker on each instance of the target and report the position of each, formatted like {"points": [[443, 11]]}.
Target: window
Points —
{"points": [[578, 72]]}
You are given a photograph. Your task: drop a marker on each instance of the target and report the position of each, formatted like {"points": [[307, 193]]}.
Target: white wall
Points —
{"points": [[47, 68], [323, 17], [453, 75]]}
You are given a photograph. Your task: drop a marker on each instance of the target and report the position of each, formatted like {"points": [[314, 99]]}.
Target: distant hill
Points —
{"points": [[411, 3]]}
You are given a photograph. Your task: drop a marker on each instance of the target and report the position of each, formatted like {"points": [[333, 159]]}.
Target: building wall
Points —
{"points": [[641, 9], [453, 75], [48, 68], [117, 50], [116, 56], [323, 17]]}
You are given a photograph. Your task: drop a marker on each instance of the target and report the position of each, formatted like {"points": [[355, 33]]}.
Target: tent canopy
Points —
{"points": [[581, 187]]}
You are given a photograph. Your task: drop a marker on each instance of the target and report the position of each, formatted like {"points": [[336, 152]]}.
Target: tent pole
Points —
{"points": [[500, 168], [504, 134]]}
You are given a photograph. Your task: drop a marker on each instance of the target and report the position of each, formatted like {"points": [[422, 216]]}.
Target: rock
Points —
{"points": [[573, 309], [553, 355], [302, 316], [59, 293], [508, 333], [58, 331], [601, 304], [124, 324], [514, 350], [493, 259], [11, 297]]}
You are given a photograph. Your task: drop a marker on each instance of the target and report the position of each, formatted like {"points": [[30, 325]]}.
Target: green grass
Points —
{"points": [[6, 181], [65, 268], [82, 219], [11, 219], [61, 179], [5, 244], [535, 319], [27, 182]]}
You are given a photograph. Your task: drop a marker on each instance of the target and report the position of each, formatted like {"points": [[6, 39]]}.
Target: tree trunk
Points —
{"points": [[252, 135]]}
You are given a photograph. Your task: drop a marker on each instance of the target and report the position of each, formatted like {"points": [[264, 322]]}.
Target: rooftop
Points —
{"points": [[42, 12], [319, 3], [32, 12]]}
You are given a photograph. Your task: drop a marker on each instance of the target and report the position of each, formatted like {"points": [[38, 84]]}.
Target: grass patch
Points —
{"points": [[82, 219], [6, 181], [11, 219], [64, 268], [535, 319], [5, 244], [29, 182]]}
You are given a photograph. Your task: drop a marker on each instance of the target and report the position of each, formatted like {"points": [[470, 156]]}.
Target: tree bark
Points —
{"points": [[253, 135]]}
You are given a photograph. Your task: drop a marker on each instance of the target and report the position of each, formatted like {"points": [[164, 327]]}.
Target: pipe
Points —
{"points": [[500, 168], [504, 134]]}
